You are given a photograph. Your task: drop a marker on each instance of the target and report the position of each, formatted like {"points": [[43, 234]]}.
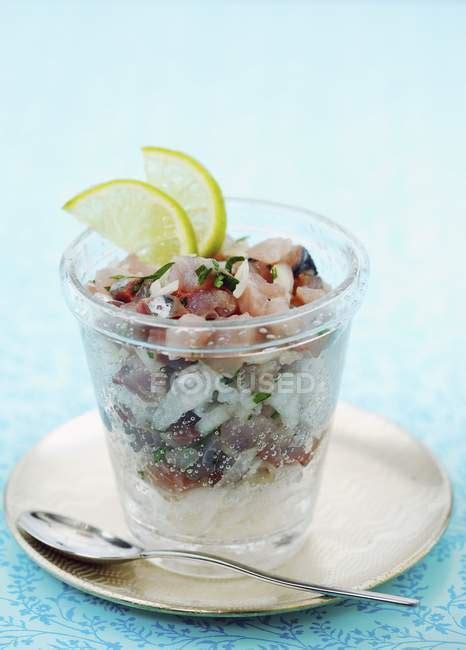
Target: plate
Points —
{"points": [[383, 504]]}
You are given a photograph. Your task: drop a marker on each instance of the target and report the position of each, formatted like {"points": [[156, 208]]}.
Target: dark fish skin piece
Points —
{"points": [[136, 378], [174, 365], [305, 263], [214, 459], [166, 306]]}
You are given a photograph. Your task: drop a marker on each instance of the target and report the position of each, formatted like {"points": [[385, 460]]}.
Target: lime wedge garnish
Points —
{"points": [[137, 217], [193, 187]]}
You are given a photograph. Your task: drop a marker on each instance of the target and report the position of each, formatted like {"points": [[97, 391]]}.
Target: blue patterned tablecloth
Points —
{"points": [[354, 109]]}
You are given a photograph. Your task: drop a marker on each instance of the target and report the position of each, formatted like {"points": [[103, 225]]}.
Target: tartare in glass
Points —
{"points": [[217, 375]]}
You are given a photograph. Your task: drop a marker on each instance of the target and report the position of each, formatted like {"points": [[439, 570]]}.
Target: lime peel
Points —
{"points": [[195, 189]]}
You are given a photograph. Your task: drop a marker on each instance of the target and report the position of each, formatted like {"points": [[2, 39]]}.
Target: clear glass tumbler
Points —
{"points": [[217, 432]]}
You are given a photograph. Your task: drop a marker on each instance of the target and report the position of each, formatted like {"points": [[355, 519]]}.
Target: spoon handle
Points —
{"points": [[278, 580]]}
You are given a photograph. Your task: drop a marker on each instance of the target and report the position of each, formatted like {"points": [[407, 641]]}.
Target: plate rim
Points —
{"points": [[179, 610]]}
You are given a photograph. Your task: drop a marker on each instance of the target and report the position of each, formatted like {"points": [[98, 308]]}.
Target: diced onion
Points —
{"points": [[213, 418], [284, 277], [156, 288], [242, 275]]}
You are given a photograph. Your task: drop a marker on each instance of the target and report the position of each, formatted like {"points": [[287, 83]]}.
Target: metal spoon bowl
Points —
{"points": [[87, 543]]}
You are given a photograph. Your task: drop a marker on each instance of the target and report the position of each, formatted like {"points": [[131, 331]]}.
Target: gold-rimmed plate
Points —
{"points": [[384, 502]]}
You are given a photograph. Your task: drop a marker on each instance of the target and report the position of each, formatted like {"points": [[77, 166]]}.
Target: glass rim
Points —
{"points": [[357, 273]]}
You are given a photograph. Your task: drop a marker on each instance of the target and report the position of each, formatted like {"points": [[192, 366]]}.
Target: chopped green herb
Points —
{"points": [[221, 279], [141, 473], [202, 273], [232, 260], [153, 276], [230, 282], [274, 272], [160, 272], [107, 288], [257, 398], [150, 354], [242, 239], [159, 454], [275, 415], [218, 282]]}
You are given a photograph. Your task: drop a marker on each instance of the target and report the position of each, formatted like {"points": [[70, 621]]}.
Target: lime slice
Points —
{"points": [[192, 186], [137, 217]]}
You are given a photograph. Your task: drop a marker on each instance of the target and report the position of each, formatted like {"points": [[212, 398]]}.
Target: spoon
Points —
{"points": [[82, 541]]}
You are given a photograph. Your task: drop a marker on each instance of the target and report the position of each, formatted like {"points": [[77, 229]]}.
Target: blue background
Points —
{"points": [[356, 110]]}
